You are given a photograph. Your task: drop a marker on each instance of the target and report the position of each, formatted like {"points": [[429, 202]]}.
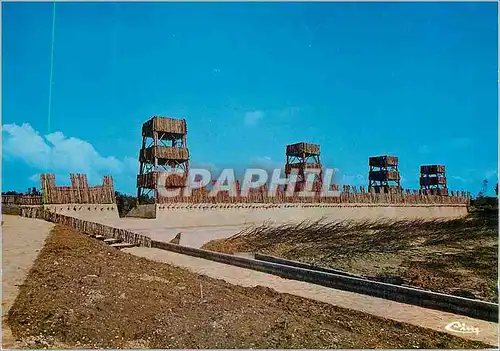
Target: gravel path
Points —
{"points": [[22, 239], [428, 318]]}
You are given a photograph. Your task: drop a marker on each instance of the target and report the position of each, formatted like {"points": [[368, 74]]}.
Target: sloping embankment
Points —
{"points": [[456, 256]]}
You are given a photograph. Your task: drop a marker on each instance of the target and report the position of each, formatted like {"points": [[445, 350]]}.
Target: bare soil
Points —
{"points": [[457, 256], [22, 239], [82, 293]]}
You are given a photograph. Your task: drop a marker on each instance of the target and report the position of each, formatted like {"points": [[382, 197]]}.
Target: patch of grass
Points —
{"points": [[11, 210]]}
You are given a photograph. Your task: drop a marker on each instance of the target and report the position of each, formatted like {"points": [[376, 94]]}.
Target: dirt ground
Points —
{"points": [[387, 309], [84, 294], [457, 256], [22, 239]]}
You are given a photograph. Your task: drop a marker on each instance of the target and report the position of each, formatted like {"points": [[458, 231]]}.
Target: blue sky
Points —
{"points": [[416, 80]]}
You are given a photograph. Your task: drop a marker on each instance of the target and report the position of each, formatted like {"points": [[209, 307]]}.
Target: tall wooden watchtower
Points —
{"points": [[164, 149], [303, 156], [433, 179], [384, 174]]}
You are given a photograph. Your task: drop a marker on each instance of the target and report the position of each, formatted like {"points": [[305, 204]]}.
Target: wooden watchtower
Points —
{"points": [[433, 179], [164, 149], [303, 156], [384, 174]]}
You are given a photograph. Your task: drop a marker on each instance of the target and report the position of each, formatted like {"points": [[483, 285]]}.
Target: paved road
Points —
{"points": [[22, 239], [428, 318]]}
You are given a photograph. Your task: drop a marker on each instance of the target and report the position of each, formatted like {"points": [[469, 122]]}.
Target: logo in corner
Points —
{"points": [[460, 327]]}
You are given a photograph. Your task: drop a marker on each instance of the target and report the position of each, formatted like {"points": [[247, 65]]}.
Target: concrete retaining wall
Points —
{"points": [[467, 307], [238, 214], [272, 259], [85, 210], [86, 227]]}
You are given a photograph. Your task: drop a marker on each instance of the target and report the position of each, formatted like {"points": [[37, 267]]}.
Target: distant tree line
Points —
{"points": [[31, 192], [483, 201], [125, 202]]}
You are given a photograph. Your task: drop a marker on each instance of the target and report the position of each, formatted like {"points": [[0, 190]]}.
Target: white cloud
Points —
{"points": [[59, 154], [253, 117], [25, 143]]}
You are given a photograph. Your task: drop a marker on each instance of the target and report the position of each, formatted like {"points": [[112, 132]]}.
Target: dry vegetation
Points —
{"points": [[14, 210], [454, 256], [82, 293]]}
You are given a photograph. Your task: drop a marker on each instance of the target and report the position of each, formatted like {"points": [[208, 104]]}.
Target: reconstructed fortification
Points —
{"points": [[78, 193], [21, 200], [201, 216], [76, 200], [164, 150], [384, 198], [241, 214], [348, 195]]}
